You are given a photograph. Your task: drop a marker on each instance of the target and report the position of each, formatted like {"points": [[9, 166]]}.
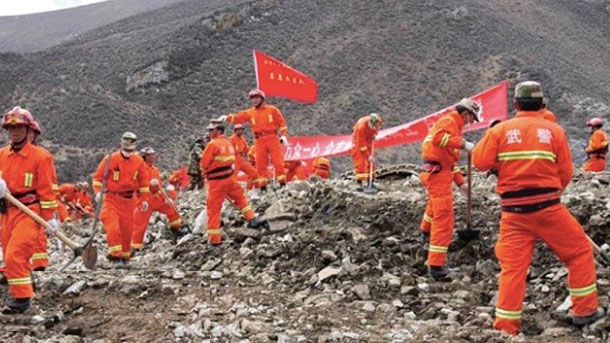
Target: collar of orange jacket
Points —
{"points": [[458, 119], [24, 151], [527, 114]]}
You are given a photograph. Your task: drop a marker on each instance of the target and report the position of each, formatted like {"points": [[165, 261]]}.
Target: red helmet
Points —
{"points": [[17, 116], [595, 122], [35, 126], [256, 92]]}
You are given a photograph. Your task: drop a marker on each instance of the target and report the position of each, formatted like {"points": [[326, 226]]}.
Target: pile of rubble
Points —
{"points": [[336, 266]]}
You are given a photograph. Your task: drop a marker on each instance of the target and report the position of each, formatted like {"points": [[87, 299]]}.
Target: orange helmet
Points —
{"points": [[256, 92], [595, 122], [17, 116], [35, 126]]}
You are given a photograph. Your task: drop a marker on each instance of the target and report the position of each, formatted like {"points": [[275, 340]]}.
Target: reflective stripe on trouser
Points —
{"points": [[156, 203], [19, 237], [362, 166], [563, 234], [117, 216], [218, 191], [40, 258], [269, 147], [426, 221], [595, 165], [440, 198]]}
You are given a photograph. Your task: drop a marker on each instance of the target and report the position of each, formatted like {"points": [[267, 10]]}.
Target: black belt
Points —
{"points": [[264, 133], [220, 173], [27, 198], [126, 194], [530, 208]]}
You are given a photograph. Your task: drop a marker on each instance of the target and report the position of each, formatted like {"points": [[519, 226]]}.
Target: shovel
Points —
{"points": [[88, 251], [369, 189], [469, 233]]}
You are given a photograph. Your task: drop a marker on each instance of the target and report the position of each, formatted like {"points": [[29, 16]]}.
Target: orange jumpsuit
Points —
{"points": [[126, 178], [29, 177], [534, 165], [294, 169], [321, 167], [426, 222], [596, 151], [175, 179], [67, 196], [156, 202], [362, 146], [265, 121], [548, 115], [241, 151], [83, 198], [40, 258], [441, 149], [252, 162], [217, 164]]}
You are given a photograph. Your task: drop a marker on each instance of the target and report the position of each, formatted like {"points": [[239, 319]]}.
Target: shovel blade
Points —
{"points": [[89, 257], [469, 235], [370, 190]]}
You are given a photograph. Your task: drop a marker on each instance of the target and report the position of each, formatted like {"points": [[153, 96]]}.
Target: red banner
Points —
{"points": [[494, 106], [278, 79]]}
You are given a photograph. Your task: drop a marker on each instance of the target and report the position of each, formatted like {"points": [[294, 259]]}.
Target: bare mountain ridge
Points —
{"points": [[403, 59]]}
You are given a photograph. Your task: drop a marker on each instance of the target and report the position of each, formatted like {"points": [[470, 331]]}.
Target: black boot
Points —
{"points": [[18, 305], [359, 188], [257, 222], [177, 233], [582, 321], [443, 273]]}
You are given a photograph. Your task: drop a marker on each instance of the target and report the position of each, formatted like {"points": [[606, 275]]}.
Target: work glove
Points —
{"points": [[371, 158], [464, 189], [468, 146], [98, 198], [144, 206], [3, 189], [52, 227], [284, 140]]}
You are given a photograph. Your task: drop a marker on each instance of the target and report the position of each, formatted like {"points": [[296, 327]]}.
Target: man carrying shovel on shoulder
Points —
{"points": [[440, 153], [27, 174]]}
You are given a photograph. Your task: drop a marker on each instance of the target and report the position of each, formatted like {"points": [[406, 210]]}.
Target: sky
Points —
{"points": [[17, 7]]}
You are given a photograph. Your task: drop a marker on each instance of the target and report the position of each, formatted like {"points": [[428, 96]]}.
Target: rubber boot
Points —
{"points": [[443, 273], [582, 321], [18, 305], [257, 222]]}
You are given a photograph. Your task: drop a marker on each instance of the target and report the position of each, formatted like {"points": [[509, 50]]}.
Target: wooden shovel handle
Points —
{"points": [[469, 199], [39, 220]]}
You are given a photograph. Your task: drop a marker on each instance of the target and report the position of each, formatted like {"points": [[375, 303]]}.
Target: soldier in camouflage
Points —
{"points": [[194, 170]]}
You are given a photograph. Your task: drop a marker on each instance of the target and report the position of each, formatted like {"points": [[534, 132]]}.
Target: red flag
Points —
{"points": [[278, 79], [493, 103]]}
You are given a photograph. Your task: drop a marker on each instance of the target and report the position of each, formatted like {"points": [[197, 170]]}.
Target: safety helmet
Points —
{"points": [[128, 141], [17, 116], [595, 122], [375, 120], [170, 188], [471, 107], [529, 89], [211, 126], [35, 126], [256, 92], [83, 185], [238, 126], [147, 151]]}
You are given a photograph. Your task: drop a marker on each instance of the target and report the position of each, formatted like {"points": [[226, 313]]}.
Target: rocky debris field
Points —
{"points": [[336, 266]]}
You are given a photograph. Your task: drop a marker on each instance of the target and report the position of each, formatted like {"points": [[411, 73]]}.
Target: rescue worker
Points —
{"points": [[83, 205], [27, 173], [127, 179], [156, 202], [217, 164], [426, 222], [240, 144], [365, 130], [294, 169], [252, 162], [440, 153], [194, 170], [597, 148], [265, 121], [534, 166], [40, 257], [321, 167], [67, 200], [546, 114]]}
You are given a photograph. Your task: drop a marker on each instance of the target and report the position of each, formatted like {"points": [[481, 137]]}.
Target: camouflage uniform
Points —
{"points": [[194, 170]]}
